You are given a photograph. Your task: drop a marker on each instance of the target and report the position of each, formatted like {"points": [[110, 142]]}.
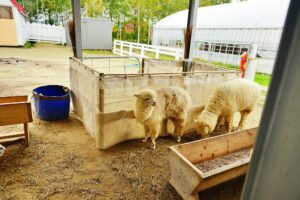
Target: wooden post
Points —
{"points": [[26, 134], [143, 66], [77, 22], [157, 53], [115, 46], [252, 63], [177, 55], [121, 48], [130, 49], [142, 51]]}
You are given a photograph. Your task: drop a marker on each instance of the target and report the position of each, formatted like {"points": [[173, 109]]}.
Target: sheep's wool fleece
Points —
{"points": [[232, 96], [171, 102]]}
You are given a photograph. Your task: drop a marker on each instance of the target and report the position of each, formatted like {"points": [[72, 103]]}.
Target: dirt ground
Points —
{"points": [[62, 162]]}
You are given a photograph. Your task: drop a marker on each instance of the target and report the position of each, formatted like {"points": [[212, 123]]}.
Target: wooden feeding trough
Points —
{"points": [[198, 165], [15, 110]]}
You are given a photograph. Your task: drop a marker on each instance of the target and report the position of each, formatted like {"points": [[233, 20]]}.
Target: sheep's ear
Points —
{"points": [[137, 95]]}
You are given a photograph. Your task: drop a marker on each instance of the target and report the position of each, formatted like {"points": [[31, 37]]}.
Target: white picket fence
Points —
{"points": [[45, 33], [142, 50]]}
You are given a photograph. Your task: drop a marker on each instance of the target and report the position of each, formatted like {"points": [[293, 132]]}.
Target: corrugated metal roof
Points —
{"points": [[249, 14]]}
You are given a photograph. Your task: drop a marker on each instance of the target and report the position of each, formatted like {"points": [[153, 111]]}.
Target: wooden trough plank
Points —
{"points": [[182, 173], [15, 113], [217, 146], [13, 99], [222, 177]]}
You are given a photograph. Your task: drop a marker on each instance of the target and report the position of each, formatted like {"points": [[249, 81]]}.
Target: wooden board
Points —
{"points": [[13, 99], [15, 113], [217, 146]]}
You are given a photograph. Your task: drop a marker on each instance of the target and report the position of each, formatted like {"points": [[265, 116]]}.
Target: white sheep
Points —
{"points": [[154, 107], [2, 149], [239, 95]]}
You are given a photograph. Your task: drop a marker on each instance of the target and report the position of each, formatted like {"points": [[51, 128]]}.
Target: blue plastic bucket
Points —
{"points": [[51, 102]]}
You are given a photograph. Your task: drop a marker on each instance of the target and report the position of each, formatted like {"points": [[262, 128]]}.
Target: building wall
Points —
{"points": [[20, 27], [267, 39], [96, 34], [8, 35]]}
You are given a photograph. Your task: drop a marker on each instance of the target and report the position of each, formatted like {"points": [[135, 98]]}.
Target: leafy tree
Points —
{"points": [[124, 13], [92, 8]]}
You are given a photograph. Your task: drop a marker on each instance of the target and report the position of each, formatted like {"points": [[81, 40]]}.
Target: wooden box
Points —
{"points": [[188, 161]]}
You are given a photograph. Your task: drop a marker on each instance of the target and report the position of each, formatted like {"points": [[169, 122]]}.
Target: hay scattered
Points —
{"points": [[49, 169]]}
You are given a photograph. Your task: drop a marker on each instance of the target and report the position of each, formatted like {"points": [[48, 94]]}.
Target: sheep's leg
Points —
{"points": [[154, 135], [147, 133], [228, 122], [165, 126], [175, 126], [220, 118], [244, 115], [180, 128]]}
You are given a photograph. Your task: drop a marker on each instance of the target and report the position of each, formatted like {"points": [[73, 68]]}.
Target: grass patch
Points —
{"points": [[262, 79], [98, 52], [28, 45]]}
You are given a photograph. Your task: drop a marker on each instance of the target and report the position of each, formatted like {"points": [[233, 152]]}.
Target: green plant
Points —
{"points": [[28, 45]]}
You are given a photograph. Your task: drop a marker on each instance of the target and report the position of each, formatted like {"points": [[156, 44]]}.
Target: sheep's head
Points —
{"points": [[147, 98], [2, 149], [206, 122]]}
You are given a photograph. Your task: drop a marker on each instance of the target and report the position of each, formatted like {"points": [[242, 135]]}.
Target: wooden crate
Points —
{"points": [[15, 110], [188, 180]]}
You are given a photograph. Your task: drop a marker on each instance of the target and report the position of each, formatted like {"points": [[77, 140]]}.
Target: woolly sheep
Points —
{"points": [[2, 149], [239, 95], [154, 107]]}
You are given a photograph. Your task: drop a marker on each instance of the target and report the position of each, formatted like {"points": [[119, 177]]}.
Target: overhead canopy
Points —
{"points": [[248, 14]]}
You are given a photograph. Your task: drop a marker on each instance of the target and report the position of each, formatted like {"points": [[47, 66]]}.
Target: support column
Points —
{"points": [[77, 22], [189, 38]]}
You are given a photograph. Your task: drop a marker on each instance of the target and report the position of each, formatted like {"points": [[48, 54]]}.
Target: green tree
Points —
{"points": [[54, 10], [122, 12], [93, 8]]}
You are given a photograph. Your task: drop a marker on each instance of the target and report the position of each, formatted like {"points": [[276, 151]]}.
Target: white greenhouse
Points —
{"points": [[224, 31]]}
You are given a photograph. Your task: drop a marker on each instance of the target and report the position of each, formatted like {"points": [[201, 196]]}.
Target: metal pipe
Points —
{"points": [[77, 22], [190, 35]]}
